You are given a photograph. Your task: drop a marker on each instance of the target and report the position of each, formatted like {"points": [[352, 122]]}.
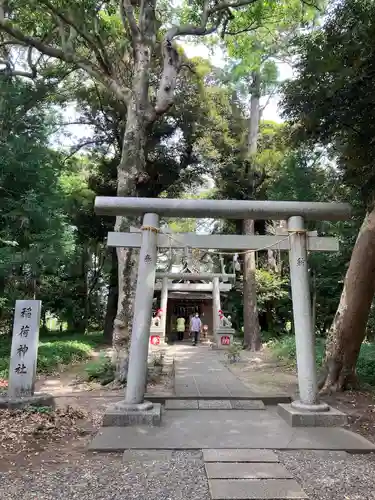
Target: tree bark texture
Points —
{"points": [[130, 173], [250, 309], [349, 324], [111, 308], [252, 338]]}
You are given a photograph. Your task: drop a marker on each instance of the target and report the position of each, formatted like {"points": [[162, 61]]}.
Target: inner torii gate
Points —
{"points": [[215, 278], [299, 242]]}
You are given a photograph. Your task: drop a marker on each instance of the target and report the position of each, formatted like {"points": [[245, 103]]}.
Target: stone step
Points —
{"points": [[213, 404], [255, 489], [246, 470], [249, 474], [267, 399], [239, 455]]}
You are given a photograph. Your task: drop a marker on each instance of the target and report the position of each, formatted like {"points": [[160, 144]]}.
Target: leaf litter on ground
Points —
{"points": [[32, 428]]}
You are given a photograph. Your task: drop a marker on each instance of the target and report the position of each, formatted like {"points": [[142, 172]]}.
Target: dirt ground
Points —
{"points": [[261, 372], [42, 440]]}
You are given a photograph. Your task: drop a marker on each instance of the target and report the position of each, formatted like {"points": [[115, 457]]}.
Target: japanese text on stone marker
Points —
{"points": [[26, 312], [20, 369], [22, 350], [24, 332]]}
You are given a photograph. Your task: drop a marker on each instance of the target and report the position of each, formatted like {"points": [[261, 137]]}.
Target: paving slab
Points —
{"points": [[238, 404], [214, 404], [199, 372], [239, 455], [186, 386], [329, 438], [147, 455], [181, 404], [214, 429], [243, 470], [255, 489]]}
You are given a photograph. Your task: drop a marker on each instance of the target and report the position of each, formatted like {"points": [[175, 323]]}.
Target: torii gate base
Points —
{"points": [[307, 411]]}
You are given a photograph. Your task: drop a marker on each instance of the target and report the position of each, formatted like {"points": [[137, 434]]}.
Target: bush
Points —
{"points": [[54, 351], [101, 369], [158, 359], [233, 354], [285, 349], [366, 364]]}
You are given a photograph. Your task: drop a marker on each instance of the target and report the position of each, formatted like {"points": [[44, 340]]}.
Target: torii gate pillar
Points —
{"points": [[135, 410], [302, 314]]}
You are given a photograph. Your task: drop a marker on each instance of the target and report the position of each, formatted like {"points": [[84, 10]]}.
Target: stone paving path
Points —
{"points": [[249, 475], [232, 432], [199, 373]]}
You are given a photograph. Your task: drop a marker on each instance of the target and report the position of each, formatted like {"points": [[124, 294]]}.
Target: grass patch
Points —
{"points": [[100, 369], [54, 350], [285, 349]]}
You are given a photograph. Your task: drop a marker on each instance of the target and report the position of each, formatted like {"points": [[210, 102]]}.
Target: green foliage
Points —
{"points": [[100, 369], [274, 302], [158, 359], [54, 351], [233, 353], [51, 242], [271, 288], [31, 201], [39, 409], [366, 364], [331, 101], [285, 349]]}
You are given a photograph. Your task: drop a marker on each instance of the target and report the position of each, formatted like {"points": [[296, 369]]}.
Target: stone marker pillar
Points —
{"points": [[24, 353], [23, 357], [163, 306], [134, 410]]}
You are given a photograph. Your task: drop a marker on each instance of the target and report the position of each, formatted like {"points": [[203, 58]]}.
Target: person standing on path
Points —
{"points": [[195, 327], [180, 327]]}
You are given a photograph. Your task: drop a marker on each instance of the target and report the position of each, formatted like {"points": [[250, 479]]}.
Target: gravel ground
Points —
{"points": [[173, 476], [332, 475]]}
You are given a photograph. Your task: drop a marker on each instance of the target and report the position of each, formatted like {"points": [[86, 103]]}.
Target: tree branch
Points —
{"points": [[207, 13], [121, 93], [128, 19], [251, 27], [78, 147], [171, 67], [9, 71], [77, 29], [14, 32]]}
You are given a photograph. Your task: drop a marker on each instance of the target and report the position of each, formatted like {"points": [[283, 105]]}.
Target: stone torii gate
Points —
{"points": [[134, 409], [216, 301]]}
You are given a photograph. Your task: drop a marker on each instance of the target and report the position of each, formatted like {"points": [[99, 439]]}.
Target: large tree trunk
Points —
{"points": [[251, 320], [349, 325], [250, 309], [130, 173], [111, 308]]}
